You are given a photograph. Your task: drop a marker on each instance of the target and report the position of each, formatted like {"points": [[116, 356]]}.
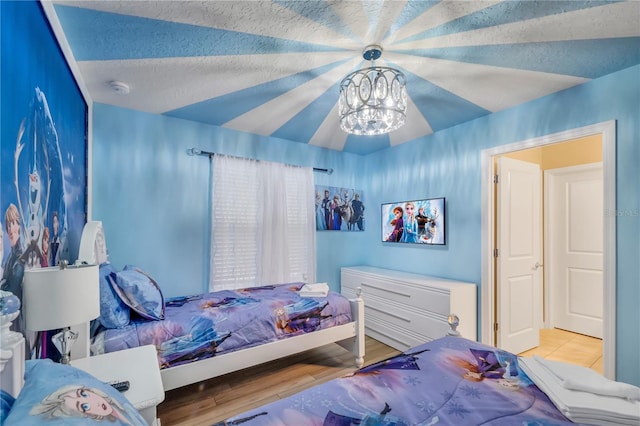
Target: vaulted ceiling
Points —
{"points": [[274, 67]]}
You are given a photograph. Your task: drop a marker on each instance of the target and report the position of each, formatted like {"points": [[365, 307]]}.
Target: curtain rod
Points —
{"points": [[196, 151]]}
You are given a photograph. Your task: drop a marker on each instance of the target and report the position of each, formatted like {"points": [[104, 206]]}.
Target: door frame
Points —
{"points": [[607, 130]]}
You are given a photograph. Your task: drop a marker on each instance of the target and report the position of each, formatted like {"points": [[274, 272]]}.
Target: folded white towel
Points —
{"points": [[576, 377], [578, 406], [605, 387], [314, 290]]}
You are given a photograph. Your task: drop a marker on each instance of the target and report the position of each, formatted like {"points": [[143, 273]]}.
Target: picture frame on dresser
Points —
{"points": [[420, 221]]}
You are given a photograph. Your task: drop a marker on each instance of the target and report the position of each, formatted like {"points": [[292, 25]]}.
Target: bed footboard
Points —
{"points": [[356, 343], [182, 375]]}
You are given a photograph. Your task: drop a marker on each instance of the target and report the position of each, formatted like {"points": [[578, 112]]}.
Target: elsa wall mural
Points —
{"points": [[44, 151]]}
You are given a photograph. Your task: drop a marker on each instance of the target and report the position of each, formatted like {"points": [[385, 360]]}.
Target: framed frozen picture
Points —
{"points": [[339, 209], [414, 222]]}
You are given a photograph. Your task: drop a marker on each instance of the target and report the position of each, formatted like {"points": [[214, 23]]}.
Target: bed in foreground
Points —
{"points": [[451, 381]]}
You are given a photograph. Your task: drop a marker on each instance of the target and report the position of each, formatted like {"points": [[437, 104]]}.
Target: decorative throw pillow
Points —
{"points": [[58, 394], [114, 313], [140, 292]]}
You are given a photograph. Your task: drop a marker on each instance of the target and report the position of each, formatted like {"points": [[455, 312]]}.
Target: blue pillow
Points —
{"points": [[140, 292], [114, 313], [58, 394], [6, 402]]}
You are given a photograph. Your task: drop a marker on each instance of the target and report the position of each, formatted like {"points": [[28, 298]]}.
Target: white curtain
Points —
{"points": [[263, 229]]}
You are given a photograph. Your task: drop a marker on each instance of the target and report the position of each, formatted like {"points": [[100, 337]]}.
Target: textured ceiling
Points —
{"points": [[274, 67]]}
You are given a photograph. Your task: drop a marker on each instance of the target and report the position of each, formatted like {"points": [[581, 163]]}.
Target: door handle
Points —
{"points": [[536, 266]]}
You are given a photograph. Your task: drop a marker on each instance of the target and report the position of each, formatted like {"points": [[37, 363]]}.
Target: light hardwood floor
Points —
{"points": [[565, 346], [217, 399]]}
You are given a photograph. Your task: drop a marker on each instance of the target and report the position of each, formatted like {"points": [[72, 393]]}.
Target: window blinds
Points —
{"points": [[263, 229]]}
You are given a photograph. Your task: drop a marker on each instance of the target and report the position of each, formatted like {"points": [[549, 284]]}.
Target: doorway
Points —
{"points": [[559, 268], [489, 271], [573, 247]]}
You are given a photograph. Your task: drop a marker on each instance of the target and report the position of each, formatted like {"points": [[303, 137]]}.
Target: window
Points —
{"points": [[263, 229]]}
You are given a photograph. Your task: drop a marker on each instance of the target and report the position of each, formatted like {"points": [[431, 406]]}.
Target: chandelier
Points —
{"points": [[373, 100]]}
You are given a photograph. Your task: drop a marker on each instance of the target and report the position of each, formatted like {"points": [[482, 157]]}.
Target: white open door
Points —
{"points": [[519, 262], [575, 257]]}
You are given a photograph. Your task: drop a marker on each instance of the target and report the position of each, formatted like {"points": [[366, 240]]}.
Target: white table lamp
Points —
{"points": [[61, 297]]}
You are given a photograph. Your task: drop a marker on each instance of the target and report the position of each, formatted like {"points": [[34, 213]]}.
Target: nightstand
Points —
{"points": [[137, 365]]}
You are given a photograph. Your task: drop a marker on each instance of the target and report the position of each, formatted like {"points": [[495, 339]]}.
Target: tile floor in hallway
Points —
{"points": [[565, 346]]}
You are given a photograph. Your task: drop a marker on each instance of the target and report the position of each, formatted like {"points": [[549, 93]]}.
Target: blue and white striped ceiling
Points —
{"points": [[274, 67]]}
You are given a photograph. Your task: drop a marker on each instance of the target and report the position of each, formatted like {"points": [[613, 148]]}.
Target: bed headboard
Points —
{"points": [[93, 251], [93, 247]]}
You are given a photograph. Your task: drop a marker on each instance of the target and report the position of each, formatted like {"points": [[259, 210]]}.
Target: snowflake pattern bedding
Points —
{"points": [[449, 381], [198, 327]]}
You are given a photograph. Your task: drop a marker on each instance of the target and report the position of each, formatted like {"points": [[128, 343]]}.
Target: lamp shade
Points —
{"points": [[54, 298]]}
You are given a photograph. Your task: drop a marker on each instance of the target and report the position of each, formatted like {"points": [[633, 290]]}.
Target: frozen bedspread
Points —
{"points": [[449, 381], [198, 327]]}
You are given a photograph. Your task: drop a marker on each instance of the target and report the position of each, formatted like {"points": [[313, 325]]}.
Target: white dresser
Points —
{"points": [[404, 309]]}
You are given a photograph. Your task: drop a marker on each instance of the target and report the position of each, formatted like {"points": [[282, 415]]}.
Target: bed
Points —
{"points": [[447, 381], [199, 337]]}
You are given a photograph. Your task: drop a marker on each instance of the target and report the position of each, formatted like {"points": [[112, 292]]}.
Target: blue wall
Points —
{"points": [[153, 198], [448, 164]]}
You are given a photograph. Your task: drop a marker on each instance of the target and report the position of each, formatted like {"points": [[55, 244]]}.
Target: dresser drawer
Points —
{"points": [[404, 309], [404, 293]]}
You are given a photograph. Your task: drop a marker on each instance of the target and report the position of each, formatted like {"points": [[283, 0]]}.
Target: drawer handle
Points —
{"points": [[386, 289], [407, 320]]}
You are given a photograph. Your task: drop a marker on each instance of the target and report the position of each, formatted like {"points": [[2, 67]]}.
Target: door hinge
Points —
{"points": [[495, 178], [495, 252], [495, 327]]}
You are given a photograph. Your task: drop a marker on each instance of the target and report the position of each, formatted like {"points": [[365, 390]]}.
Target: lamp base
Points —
{"points": [[63, 341]]}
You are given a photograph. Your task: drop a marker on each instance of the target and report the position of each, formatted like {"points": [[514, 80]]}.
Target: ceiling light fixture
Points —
{"points": [[373, 100]]}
